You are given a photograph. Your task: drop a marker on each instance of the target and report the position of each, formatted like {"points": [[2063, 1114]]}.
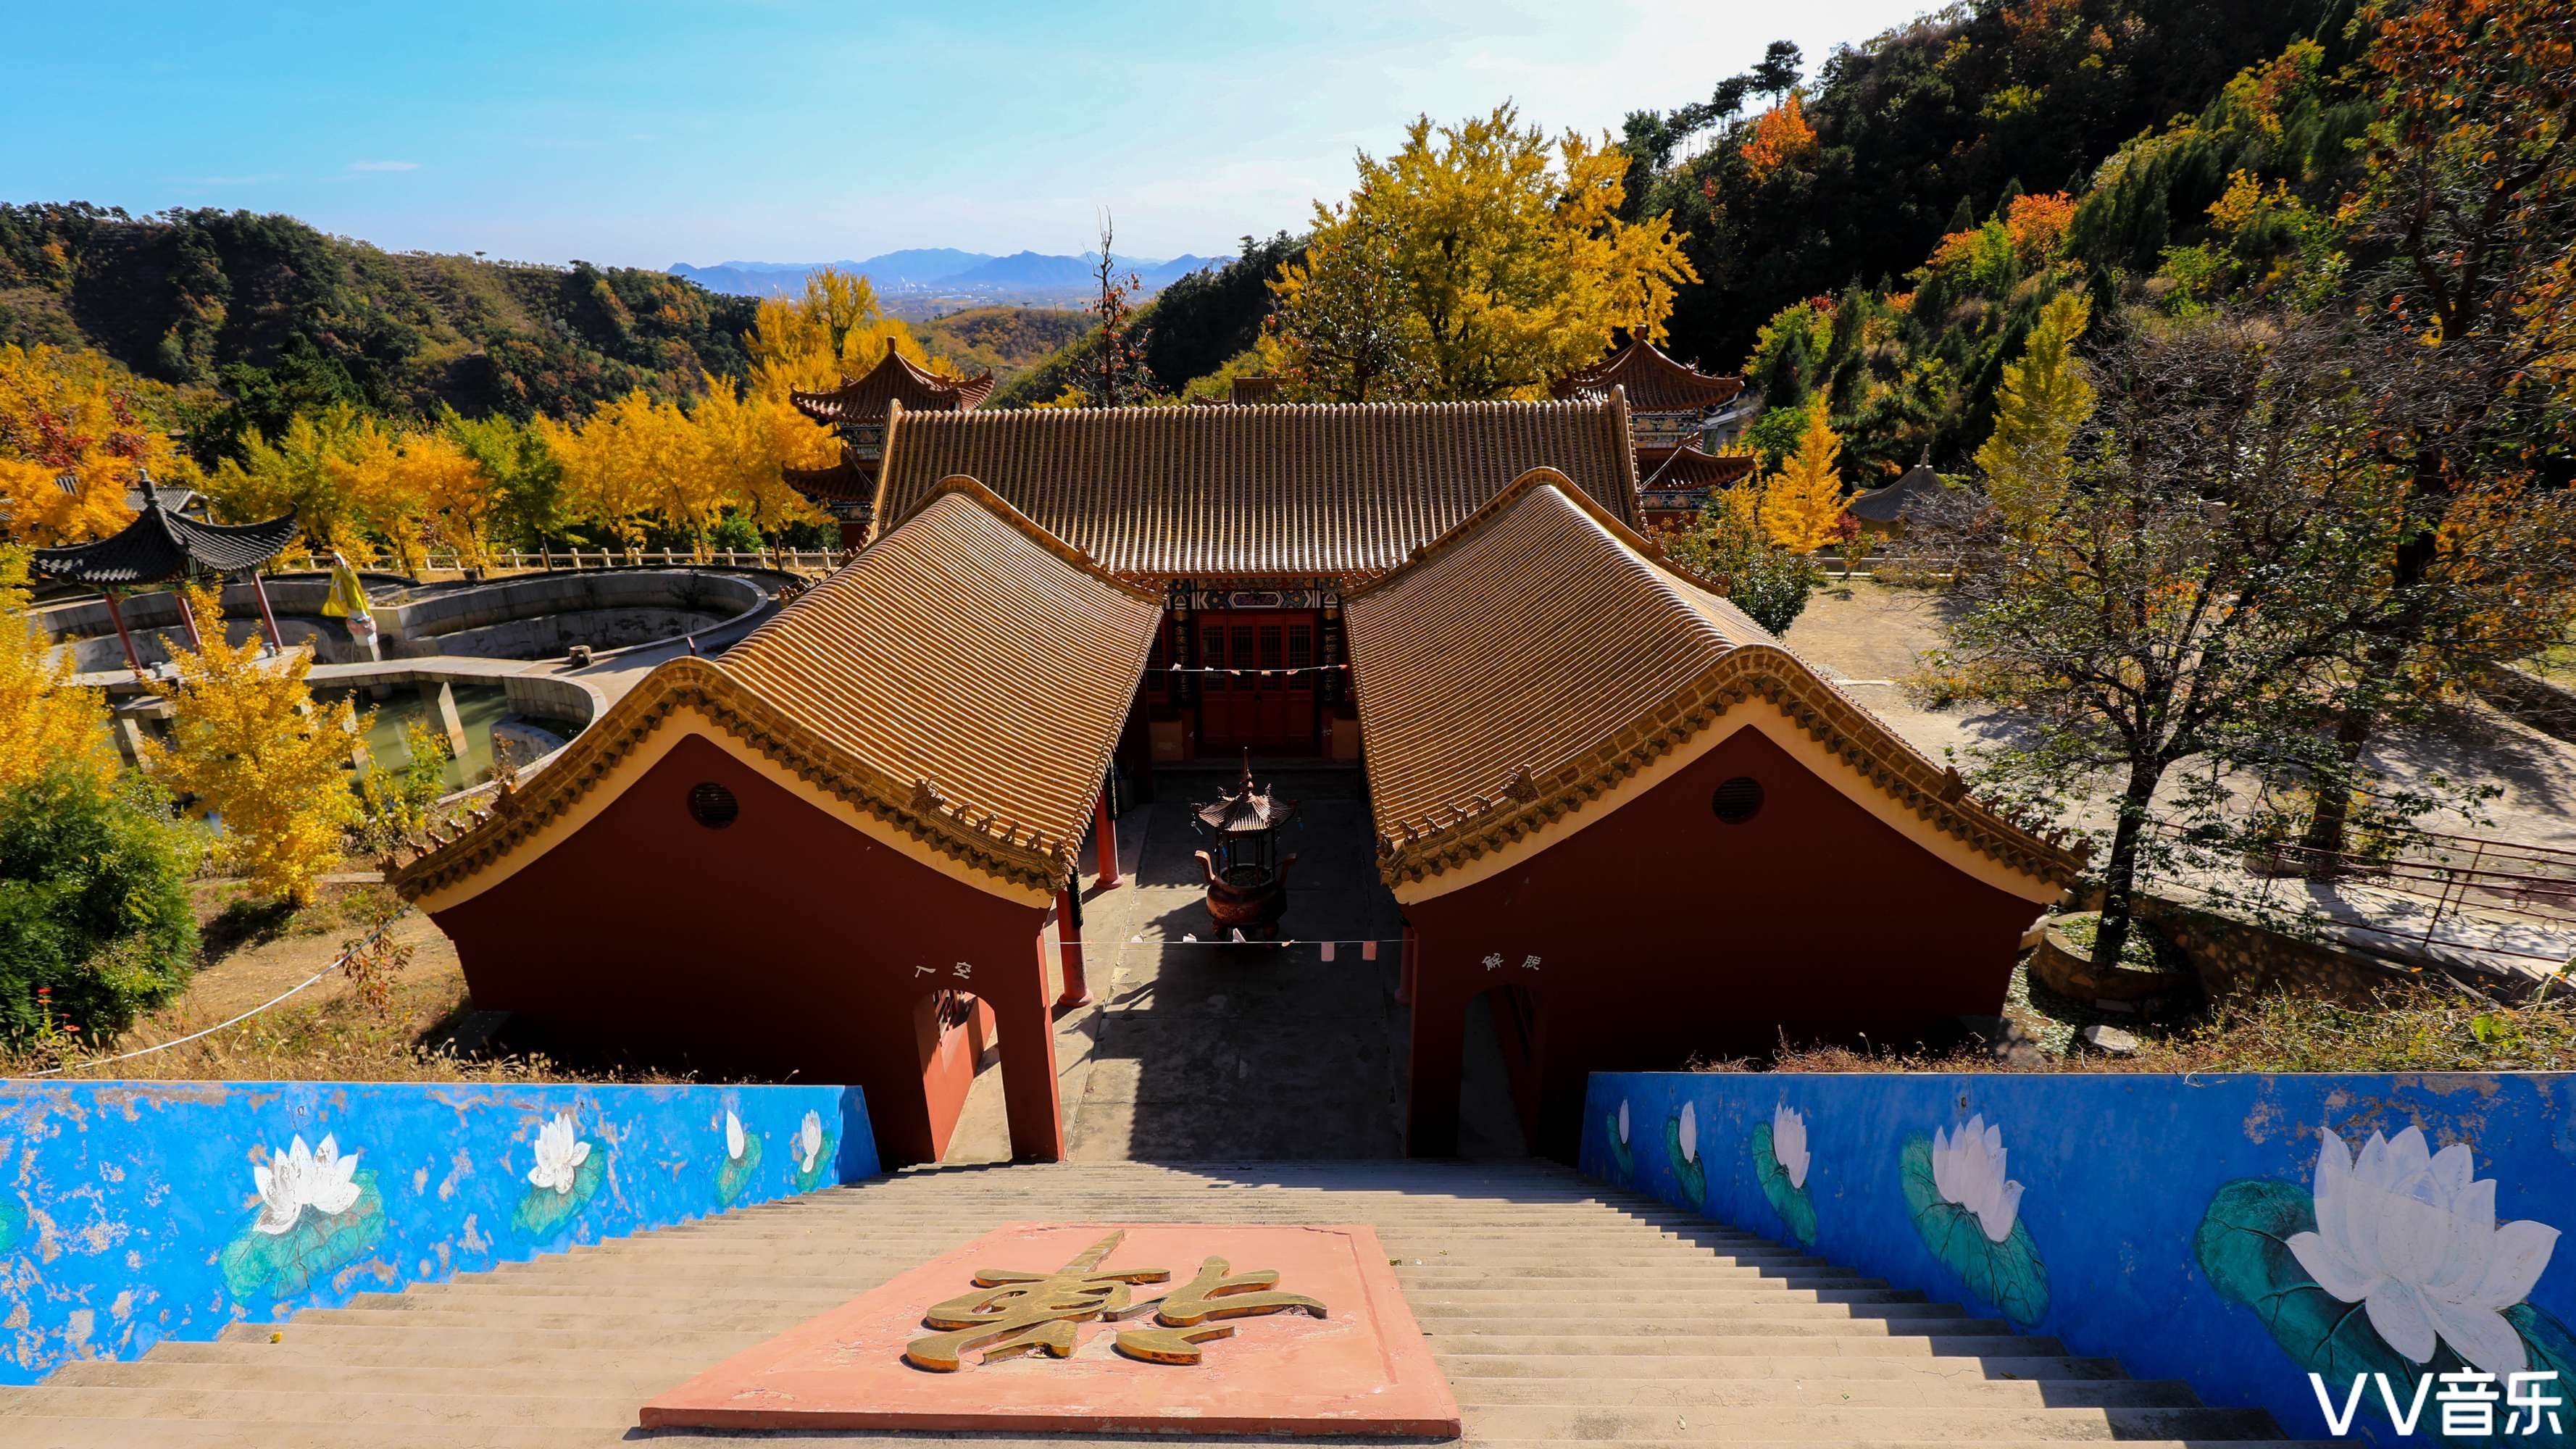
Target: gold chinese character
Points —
{"points": [[1184, 1312], [1013, 1312], [1023, 1312]]}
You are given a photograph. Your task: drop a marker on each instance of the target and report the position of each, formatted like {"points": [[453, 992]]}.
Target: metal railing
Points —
{"points": [[2503, 882]]}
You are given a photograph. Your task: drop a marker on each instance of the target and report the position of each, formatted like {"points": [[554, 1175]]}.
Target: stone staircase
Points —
{"points": [[1562, 1312]]}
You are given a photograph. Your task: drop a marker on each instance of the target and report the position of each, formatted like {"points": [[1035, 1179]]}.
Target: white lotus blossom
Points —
{"points": [[733, 1136], [560, 1154], [1690, 1133], [809, 1142], [1969, 1170], [1789, 1143], [296, 1177], [2412, 1236], [1623, 1119]]}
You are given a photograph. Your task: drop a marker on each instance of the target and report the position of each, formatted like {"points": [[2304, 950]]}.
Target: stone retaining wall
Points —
{"points": [[2232, 955]]}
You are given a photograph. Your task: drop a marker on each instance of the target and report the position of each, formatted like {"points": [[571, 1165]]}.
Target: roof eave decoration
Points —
{"points": [[894, 375], [159, 545], [1530, 802], [1017, 854], [1639, 366]]}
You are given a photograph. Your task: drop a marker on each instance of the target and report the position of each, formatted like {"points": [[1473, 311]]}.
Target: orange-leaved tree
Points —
{"points": [[77, 418]]}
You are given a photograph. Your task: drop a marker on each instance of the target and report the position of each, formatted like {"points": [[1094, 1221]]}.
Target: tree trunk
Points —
{"points": [[2324, 842], [2120, 868]]}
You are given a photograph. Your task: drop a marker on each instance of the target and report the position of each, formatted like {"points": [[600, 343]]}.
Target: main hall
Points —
{"points": [[1596, 817]]}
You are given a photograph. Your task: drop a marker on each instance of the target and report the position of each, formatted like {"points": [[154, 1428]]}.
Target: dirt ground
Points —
{"points": [[1872, 637]]}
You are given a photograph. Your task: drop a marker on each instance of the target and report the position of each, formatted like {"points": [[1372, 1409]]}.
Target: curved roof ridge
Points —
{"points": [[963, 681], [967, 486]]}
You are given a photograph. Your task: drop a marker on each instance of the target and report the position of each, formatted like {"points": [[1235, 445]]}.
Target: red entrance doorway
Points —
{"points": [[1261, 695]]}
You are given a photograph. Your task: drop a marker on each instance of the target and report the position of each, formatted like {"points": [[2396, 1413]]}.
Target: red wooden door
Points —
{"points": [[1253, 700]]}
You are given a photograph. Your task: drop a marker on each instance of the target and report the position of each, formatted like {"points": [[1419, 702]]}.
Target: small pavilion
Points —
{"points": [[859, 410], [1883, 510], [163, 547]]}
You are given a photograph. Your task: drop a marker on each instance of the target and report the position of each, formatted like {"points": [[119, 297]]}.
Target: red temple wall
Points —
{"points": [[1664, 933], [784, 942]]}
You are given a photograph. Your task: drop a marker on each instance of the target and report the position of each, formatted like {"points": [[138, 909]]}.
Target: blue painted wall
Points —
{"points": [[131, 1212], [2171, 1221]]}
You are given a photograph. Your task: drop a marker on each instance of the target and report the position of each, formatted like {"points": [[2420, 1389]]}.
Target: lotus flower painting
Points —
{"points": [[566, 1173], [1779, 1149], [813, 1149], [2409, 1238], [1968, 1212], [742, 1159], [317, 1212], [1681, 1143], [1623, 1157]]}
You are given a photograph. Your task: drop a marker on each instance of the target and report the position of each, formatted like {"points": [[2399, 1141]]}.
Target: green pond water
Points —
{"points": [[479, 705]]}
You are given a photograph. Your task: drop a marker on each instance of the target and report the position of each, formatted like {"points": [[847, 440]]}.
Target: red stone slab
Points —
{"points": [[1362, 1369]]}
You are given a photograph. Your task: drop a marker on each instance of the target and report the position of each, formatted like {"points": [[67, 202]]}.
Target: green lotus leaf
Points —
{"points": [[1693, 1175], [2551, 1347], [1796, 1209], [542, 1211], [736, 1174], [809, 1179], [2008, 1274], [2243, 1248], [1621, 1156], [260, 1265]]}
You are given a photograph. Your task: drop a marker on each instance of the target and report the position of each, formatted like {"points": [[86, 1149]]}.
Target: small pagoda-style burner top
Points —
{"points": [[1246, 878], [1251, 807]]}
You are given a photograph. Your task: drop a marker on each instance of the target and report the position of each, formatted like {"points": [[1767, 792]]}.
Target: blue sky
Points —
{"points": [[644, 133]]}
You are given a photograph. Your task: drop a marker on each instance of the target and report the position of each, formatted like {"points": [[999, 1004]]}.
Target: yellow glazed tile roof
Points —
{"points": [[1542, 651], [964, 680], [1268, 490]]}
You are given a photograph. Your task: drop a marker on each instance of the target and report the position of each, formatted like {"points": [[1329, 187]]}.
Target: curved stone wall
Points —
{"points": [[536, 616]]}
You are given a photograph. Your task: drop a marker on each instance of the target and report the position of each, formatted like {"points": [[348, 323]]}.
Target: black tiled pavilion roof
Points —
{"points": [[159, 546]]}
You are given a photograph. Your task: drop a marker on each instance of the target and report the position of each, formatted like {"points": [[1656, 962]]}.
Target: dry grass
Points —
{"points": [[2408, 1030]]}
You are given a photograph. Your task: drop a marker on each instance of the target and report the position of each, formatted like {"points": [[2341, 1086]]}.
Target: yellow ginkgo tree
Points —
{"points": [[1802, 500], [251, 748], [45, 720]]}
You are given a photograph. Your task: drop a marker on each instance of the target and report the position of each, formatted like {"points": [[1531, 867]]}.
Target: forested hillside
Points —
{"points": [[275, 316], [1894, 143]]}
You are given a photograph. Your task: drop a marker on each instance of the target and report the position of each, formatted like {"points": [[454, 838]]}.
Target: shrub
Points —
{"points": [[93, 904], [1773, 589]]}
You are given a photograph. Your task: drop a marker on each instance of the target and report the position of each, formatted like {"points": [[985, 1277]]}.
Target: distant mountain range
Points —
{"points": [[946, 271]]}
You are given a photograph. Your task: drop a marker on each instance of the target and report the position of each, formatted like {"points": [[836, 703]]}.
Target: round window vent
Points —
{"points": [[1738, 800], [713, 806]]}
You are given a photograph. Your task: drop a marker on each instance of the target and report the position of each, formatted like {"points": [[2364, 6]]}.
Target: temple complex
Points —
{"points": [[857, 410], [1619, 820]]}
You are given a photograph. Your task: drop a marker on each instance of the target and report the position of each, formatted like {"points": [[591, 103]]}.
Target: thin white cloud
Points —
{"points": [[384, 166]]}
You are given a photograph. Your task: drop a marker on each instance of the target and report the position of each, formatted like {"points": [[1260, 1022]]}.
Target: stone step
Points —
{"points": [[1676, 1345], [1965, 1426], [636, 1384]]}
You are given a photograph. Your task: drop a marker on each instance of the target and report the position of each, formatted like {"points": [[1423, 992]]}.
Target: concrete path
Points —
{"points": [[1561, 1312]]}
